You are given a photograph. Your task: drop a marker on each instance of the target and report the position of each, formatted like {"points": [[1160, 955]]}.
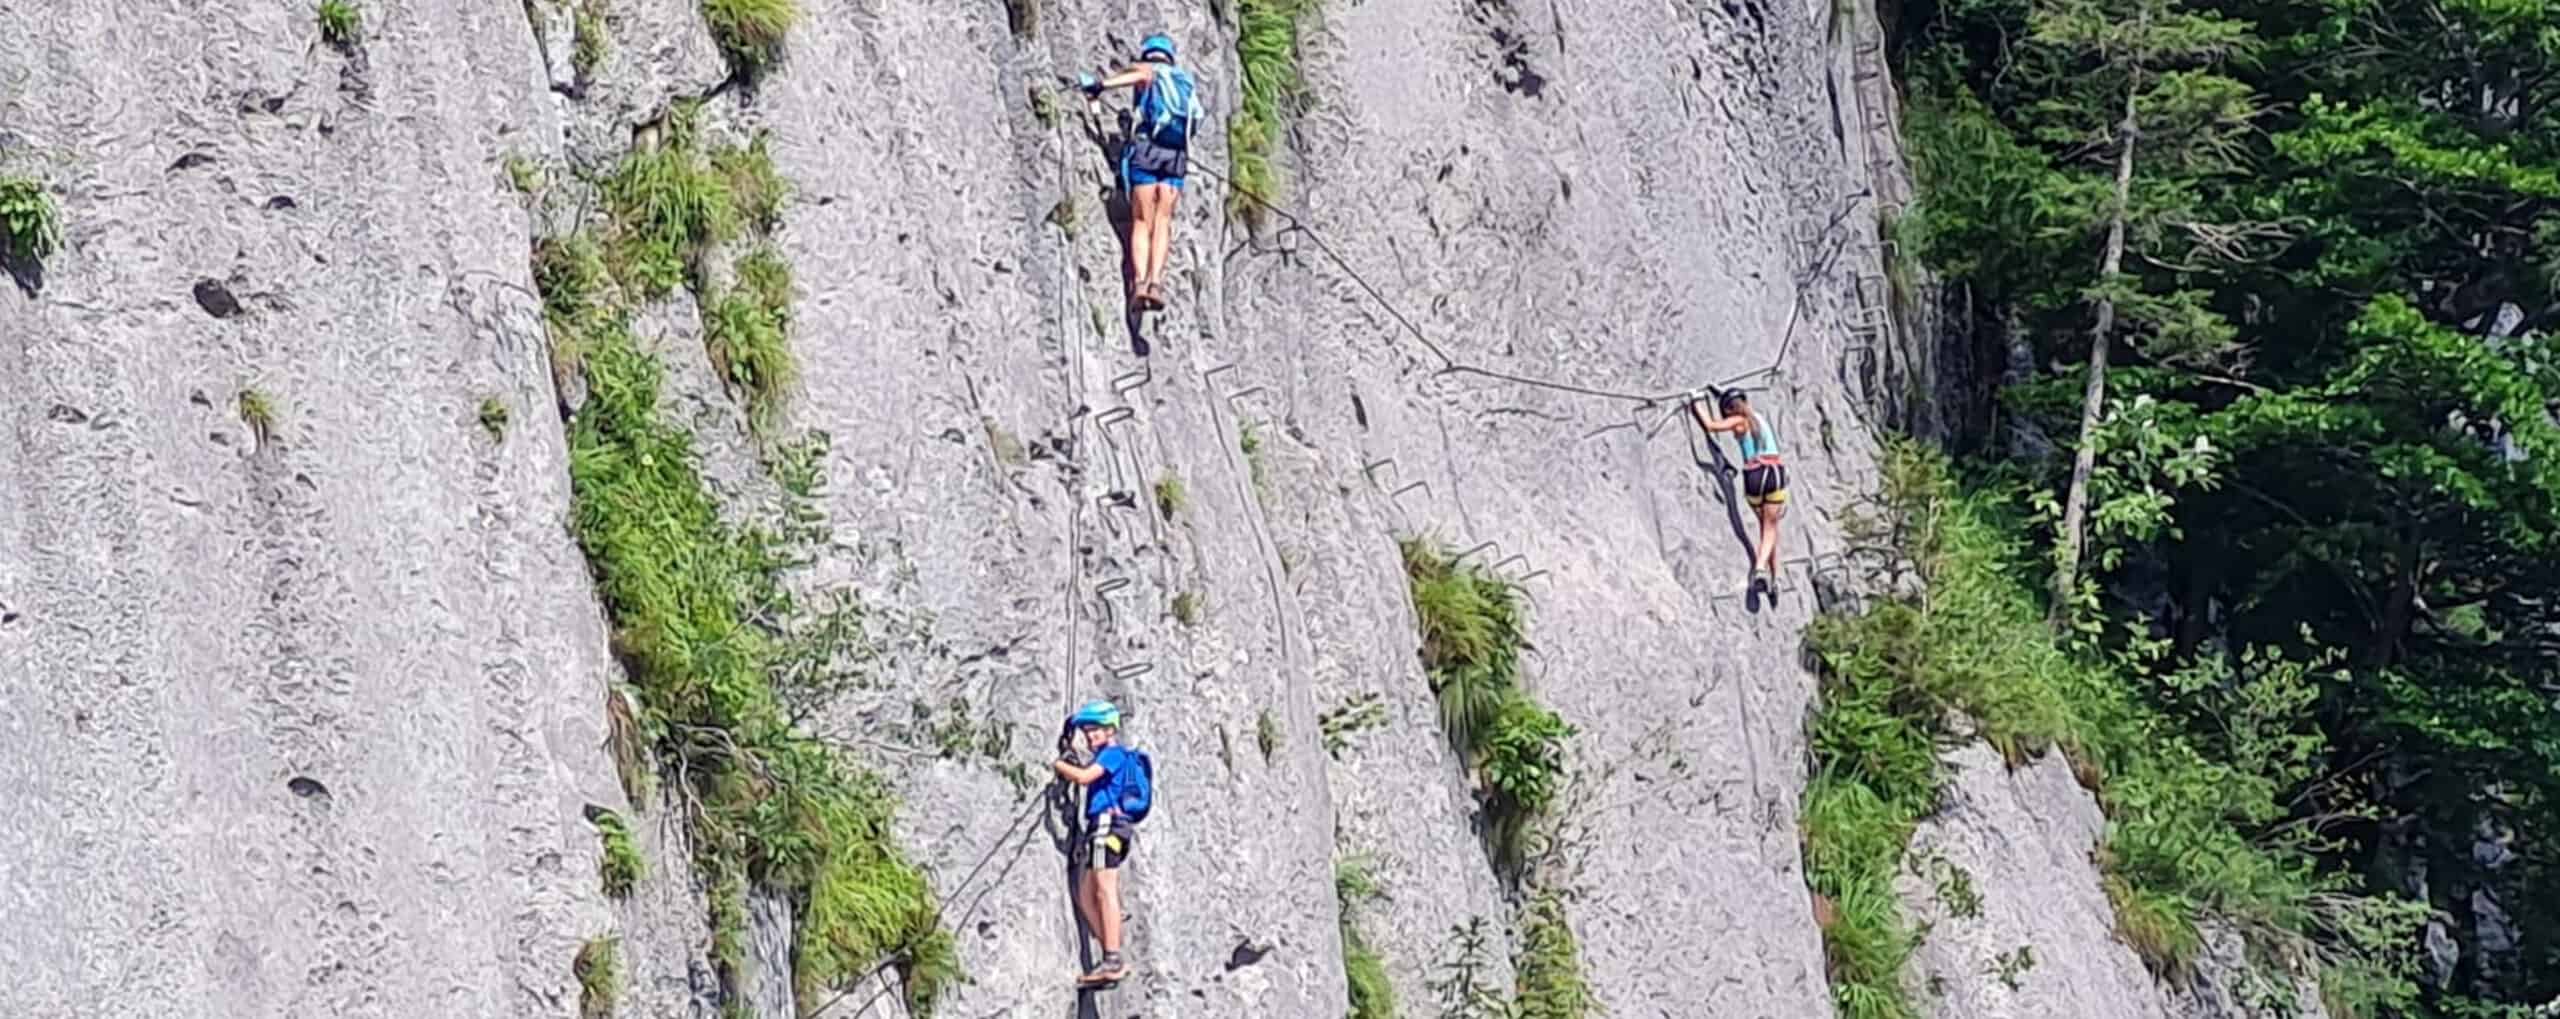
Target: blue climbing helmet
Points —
{"points": [[1169, 101], [1096, 713], [1133, 783]]}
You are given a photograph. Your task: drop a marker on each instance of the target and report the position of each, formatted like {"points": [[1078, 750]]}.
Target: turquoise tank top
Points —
{"points": [[1759, 442]]}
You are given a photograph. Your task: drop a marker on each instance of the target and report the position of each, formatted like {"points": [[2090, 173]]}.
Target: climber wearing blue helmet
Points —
{"points": [[1154, 158], [1119, 790]]}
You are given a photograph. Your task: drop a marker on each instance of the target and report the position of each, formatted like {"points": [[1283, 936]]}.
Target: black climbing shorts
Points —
{"points": [[1116, 838], [1765, 483], [1144, 162]]}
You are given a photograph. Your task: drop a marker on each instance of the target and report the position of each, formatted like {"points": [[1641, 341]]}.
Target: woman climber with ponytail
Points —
{"points": [[1764, 477]]}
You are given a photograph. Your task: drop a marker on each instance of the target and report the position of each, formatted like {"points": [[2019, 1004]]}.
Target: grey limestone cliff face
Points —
{"points": [[300, 723], [309, 723], [1588, 193], [2015, 924]]}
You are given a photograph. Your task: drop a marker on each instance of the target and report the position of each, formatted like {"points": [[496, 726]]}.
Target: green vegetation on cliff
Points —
{"points": [[720, 648], [2194, 819], [1472, 639], [2305, 346], [1267, 56]]}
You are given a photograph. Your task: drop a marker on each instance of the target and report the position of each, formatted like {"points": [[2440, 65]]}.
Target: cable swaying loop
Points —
{"points": [[1450, 365]]}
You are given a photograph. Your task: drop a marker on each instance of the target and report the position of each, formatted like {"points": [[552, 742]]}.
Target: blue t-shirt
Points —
{"points": [[1104, 794]]}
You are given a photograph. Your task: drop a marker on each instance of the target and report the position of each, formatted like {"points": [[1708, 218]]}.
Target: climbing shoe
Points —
{"points": [[1105, 973]]}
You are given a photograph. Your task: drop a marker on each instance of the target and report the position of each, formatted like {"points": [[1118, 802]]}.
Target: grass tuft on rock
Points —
{"points": [[2155, 924], [669, 205], [599, 972], [621, 866], [1372, 993], [493, 417], [1548, 969], [340, 25], [747, 331], [259, 413], [754, 185], [524, 174], [592, 41], [750, 32], [1267, 52], [30, 227]]}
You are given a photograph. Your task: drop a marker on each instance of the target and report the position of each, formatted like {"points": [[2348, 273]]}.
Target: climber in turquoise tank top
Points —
{"points": [[1764, 475]]}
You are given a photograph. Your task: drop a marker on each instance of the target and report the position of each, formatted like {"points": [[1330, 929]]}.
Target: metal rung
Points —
{"points": [[1242, 393], [1462, 556], [1108, 586], [1425, 486], [1212, 373], [1529, 576], [1516, 557], [1882, 288], [1132, 670], [1114, 416], [1128, 380], [1371, 468]]}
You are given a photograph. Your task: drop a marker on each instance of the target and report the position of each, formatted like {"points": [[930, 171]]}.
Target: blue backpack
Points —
{"points": [[1138, 793], [1166, 106]]}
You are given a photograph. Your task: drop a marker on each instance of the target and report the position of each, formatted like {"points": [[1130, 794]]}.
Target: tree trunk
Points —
{"points": [[2400, 605], [2075, 503]]}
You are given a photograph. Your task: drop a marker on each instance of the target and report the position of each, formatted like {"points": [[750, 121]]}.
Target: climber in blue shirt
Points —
{"points": [[1119, 791]]}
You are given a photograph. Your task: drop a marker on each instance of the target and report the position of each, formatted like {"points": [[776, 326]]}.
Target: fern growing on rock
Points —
{"points": [[30, 228], [1472, 638]]}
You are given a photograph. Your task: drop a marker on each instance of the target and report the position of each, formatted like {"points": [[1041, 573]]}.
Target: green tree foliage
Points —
{"points": [[2332, 436], [2198, 828]]}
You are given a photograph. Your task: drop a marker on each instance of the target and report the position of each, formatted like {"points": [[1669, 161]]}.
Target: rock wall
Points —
{"points": [[311, 721], [2003, 882], [299, 723]]}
